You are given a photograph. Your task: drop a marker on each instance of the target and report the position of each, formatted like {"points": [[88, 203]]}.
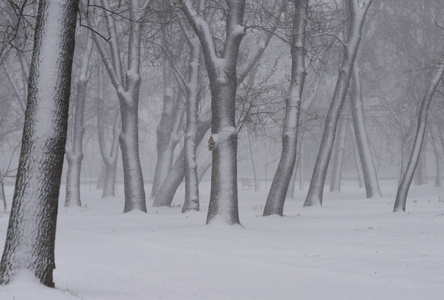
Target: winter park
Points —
{"points": [[221, 149]]}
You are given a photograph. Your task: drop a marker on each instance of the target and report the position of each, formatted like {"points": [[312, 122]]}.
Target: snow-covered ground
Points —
{"points": [[352, 248]]}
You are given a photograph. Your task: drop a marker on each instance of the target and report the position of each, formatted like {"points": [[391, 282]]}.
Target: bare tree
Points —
{"points": [[32, 225], [355, 13], [278, 191], [127, 87], [403, 189]]}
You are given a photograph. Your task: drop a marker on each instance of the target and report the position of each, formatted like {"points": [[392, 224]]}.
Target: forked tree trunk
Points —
{"points": [[31, 232], [356, 12], [278, 191], [403, 189], [74, 155], [127, 88], [223, 84]]}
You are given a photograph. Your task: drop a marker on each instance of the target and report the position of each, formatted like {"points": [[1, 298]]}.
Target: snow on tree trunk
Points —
{"points": [[168, 189], [368, 168], [2, 193], [75, 154], [403, 189], [278, 191], [127, 87], [32, 225], [336, 174], [356, 12], [223, 84], [192, 106]]}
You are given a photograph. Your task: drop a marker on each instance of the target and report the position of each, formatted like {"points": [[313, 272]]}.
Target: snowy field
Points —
{"points": [[352, 248]]}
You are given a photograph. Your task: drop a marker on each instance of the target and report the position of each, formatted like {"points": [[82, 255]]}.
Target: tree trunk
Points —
{"points": [[75, 154], [356, 15], [336, 174], [191, 178], [403, 189], [168, 189], [31, 232], [368, 168], [279, 186], [253, 164], [434, 141], [421, 172], [127, 88]]}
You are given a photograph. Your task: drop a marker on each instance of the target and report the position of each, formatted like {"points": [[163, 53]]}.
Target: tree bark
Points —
{"points": [[31, 232], [403, 189], [278, 191]]}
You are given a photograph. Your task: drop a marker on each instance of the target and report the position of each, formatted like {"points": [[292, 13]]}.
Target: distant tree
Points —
{"points": [[74, 153], [32, 225]]}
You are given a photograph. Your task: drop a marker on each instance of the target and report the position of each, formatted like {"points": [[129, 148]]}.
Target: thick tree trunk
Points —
{"points": [[75, 154], [278, 191], [31, 232], [368, 168], [338, 162], [356, 15], [403, 189]]}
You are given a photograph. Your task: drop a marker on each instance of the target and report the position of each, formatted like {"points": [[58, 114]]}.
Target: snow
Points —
{"points": [[351, 248]]}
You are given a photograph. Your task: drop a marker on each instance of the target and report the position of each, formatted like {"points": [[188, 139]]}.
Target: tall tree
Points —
{"points": [[32, 225], [221, 68], [127, 87], [403, 189], [278, 191], [355, 15]]}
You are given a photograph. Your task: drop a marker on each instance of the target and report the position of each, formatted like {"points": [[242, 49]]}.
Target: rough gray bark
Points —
{"points": [[403, 189], [368, 168], [356, 13], [278, 191], [74, 155], [336, 173], [31, 232]]}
